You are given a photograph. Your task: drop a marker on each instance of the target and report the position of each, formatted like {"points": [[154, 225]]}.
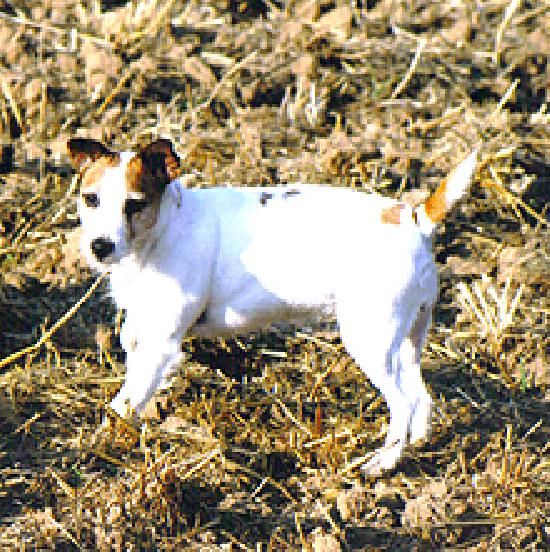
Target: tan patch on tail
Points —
{"points": [[436, 205], [392, 215]]}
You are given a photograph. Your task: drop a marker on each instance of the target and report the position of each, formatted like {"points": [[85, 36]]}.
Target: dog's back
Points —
{"points": [[305, 246]]}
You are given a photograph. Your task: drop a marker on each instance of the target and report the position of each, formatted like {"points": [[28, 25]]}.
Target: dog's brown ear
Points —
{"points": [[153, 168], [161, 160], [82, 150]]}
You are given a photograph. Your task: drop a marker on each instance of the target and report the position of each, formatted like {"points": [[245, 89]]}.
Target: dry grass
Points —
{"points": [[255, 445]]}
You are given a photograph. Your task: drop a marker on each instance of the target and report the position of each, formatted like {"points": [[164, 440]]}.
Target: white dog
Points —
{"points": [[210, 262]]}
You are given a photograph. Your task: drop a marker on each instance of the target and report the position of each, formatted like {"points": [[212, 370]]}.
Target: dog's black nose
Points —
{"points": [[102, 248]]}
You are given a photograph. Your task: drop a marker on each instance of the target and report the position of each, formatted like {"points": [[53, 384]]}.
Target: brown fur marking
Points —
{"points": [[134, 175], [152, 169], [147, 179], [164, 151], [265, 197], [392, 215], [436, 204], [290, 193], [84, 150], [93, 172]]}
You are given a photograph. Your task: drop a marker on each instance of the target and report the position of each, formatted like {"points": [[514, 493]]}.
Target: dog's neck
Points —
{"points": [[143, 248]]}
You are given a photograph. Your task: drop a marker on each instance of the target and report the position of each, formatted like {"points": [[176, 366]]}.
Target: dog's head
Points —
{"points": [[120, 195]]}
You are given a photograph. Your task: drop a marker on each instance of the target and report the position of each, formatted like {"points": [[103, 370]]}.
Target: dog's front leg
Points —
{"points": [[148, 362]]}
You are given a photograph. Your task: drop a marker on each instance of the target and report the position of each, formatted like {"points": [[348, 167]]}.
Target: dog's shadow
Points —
{"points": [[31, 307], [24, 308], [28, 307], [474, 409]]}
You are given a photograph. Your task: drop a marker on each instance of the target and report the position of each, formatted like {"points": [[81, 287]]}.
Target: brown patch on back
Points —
{"points": [[436, 205], [203, 318], [93, 172], [392, 215], [265, 197], [290, 193]]}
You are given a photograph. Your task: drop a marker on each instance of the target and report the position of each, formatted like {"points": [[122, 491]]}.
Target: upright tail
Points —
{"points": [[453, 188]]}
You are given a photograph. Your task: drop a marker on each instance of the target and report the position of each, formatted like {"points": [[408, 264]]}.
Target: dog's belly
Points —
{"points": [[247, 316]]}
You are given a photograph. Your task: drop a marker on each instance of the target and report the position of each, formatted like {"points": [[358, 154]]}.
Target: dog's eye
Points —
{"points": [[91, 200], [132, 206]]}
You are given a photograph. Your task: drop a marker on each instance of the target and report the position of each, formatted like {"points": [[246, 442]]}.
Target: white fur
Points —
{"points": [[247, 263], [459, 179], [457, 185]]}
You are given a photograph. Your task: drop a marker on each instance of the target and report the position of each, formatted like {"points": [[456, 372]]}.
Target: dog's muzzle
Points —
{"points": [[102, 248]]}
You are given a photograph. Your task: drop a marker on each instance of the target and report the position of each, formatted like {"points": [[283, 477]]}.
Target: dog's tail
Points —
{"points": [[433, 210]]}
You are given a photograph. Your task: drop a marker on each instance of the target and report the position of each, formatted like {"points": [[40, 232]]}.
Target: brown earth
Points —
{"points": [[254, 446]]}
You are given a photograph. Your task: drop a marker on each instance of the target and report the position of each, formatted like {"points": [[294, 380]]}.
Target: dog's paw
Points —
{"points": [[115, 427], [421, 421], [385, 458], [128, 338]]}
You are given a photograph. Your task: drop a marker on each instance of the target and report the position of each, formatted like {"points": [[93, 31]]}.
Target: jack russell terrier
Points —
{"points": [[209, 262]]}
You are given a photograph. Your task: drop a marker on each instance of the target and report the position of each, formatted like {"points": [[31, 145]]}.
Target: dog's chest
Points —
{"points": [[134, 287]]}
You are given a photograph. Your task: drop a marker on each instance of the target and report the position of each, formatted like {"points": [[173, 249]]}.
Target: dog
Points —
{"points": [[219, 261]]}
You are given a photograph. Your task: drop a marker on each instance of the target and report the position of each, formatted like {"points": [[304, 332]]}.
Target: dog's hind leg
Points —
{"points": [[411, 382], [374, 343]]}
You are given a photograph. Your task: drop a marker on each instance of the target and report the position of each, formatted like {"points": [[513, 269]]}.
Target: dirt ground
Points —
{"points": [[256, 445]]}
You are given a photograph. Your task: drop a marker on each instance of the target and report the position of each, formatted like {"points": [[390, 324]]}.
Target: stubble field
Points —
{"points": [[257, 443]]}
